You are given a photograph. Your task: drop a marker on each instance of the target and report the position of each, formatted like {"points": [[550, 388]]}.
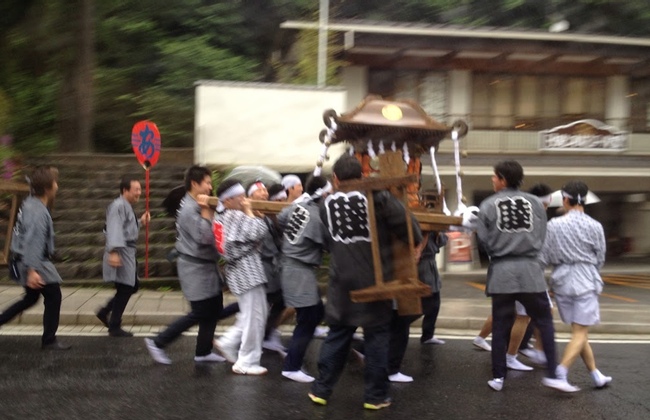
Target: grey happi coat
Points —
{"points": [[512, 227], [122, 228], [33, 241], [302, 249], [198, 256]]}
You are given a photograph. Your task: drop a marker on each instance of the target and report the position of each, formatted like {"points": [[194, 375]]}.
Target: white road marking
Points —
{"points": [[149, 330]]}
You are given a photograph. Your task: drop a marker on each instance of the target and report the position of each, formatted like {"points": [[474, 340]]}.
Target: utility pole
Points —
{"points": [[322, 42]]}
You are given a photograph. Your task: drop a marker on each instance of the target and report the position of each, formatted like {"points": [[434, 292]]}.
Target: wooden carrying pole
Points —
{"points": [[427, 221], [406, 287], [17, 191]]}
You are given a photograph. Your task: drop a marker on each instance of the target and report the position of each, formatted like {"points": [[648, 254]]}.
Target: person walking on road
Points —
{"points": [[197, 271], [400, 324], [120, 264], [302, 254], [345, 216], [243, 232], [429, 274], [271, 255], [511, 225], [32, 247], [575, 247]]}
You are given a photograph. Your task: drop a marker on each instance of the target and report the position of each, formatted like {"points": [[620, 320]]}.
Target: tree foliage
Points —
{"points": [[149, 53]]}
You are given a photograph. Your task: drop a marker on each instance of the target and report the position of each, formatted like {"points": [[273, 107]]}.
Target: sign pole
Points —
{"points": [[145, 139], [146, 227]]}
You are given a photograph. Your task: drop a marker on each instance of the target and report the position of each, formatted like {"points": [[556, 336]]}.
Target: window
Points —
{"points": [[534, 102], [640, 105]]}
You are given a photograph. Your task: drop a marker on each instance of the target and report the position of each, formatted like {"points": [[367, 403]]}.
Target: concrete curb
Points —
{"points": [[469, 324]]}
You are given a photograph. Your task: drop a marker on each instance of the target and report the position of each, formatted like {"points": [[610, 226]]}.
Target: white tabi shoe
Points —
{"points": [[298, 376], [400, 377], [514, 364], [481, 343]]}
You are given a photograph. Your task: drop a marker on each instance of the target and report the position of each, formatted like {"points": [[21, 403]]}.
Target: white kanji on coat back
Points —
{"points": [[514, 214], [347, 216], [297, 223]]}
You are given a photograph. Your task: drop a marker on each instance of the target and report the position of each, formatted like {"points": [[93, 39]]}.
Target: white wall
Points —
{"points": [[617, 103], [355, 80], [460, 94], [262, 124]]}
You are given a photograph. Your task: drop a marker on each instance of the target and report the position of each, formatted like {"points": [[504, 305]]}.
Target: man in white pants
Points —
{"points": [[243, 232]]}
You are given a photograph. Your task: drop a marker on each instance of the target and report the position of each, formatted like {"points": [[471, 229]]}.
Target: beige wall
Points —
{"points": [[355, 80], [263, 124]]}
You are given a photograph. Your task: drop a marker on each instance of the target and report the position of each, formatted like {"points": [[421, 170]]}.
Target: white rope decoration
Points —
{"points": [[381, 148], [371, 150], [331, 134], [432, 151], [405, 151], [393, 147], [459, 183]]}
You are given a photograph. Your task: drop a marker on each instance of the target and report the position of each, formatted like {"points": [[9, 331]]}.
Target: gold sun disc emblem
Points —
{"points": [[392, 112]]}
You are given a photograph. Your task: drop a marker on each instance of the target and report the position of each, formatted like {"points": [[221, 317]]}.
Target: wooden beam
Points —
{"points": [[428, 221], [375, 184], [543, 67], [502, 45]]}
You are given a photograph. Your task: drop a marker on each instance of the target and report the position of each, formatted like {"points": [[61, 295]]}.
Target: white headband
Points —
{"points": [[326, 189], [279, 196], [291, 181], [231, 192], [256, 186], [546, 199], [580, 199]]}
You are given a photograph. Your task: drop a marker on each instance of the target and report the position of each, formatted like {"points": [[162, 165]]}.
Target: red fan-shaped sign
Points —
{"points": [[145, 139]]}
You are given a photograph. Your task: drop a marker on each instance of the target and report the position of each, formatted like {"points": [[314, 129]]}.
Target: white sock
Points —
{"points": [[596, 374], [511, 356], [561, 372]]}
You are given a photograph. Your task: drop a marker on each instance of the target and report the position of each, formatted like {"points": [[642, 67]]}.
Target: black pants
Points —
{"points": [[307, 319], [205, 313], [399, 340], [229, 311], [503, 316], [334, 353], [430, 309], [276, 307], [52, 302], [117, 304]]}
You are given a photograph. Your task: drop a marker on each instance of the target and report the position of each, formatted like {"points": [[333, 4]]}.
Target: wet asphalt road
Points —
{"points": [[103, 378]]}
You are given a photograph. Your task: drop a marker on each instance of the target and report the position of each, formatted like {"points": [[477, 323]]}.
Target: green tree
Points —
{"points": [[301, 65], [169, 49], [76, 97], [71, 71]]}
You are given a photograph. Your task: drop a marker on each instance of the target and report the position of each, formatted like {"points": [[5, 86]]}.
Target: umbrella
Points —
{"points": [[556, 199], [249, 174], [172, 202]]}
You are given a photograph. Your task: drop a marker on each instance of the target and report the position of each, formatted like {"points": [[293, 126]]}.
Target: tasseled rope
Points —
{"points": [[405, 150], [331, 134], [432, 151], [459, 183]]}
